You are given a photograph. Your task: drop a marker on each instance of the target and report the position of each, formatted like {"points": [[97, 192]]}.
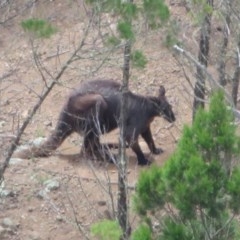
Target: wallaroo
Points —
{"points": [[93, 109]]}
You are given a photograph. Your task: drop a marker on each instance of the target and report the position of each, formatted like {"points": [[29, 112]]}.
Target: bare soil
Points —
{"points": [[87, 190]]}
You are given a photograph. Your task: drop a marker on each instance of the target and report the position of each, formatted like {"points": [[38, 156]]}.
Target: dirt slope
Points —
{"points": [[59, 197]]}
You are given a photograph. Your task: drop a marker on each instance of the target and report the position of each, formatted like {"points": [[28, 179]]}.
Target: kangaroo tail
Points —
{"points": [[44, 147], [39, 147]]}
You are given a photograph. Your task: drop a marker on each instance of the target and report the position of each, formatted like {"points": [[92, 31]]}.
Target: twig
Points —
{"points": [[39, 103], [8, 74], [56, 54], [212, 81], [79, 226]]}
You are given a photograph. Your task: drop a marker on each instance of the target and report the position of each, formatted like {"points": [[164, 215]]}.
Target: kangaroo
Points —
{"points": [[93, 109]]}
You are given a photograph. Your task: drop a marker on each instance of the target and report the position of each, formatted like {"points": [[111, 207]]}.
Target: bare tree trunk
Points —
{"points": [[122, 165], [236, 76], [199, 89], [223, 51]]}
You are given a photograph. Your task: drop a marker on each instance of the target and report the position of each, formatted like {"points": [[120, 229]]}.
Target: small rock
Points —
{"points": [[14, 161], [35, 236], [8, 223], [2, 232], [101, 203], [21, 148], [2, 123], [38, 141], [25, 113], [59, 218], [52, 184], [6, 193], [6, 102], [41, 194], [48, 123], [30, 209]]}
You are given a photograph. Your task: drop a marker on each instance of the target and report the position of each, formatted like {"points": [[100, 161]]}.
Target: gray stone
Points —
{"points": [[41, 194], [38, 141], [2, 123], [14, 161], [59, 218], [48, 123], [52, 184], [35, 236], [22, 148], [30, 209], [6, 193], [102, 203], [34, 143], [8, 223], [2, 232]]}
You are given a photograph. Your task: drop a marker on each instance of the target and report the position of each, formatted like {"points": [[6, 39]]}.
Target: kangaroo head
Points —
{"points": [[165, 106]]}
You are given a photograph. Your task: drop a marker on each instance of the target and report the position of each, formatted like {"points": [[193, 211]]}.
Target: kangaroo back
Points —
{"points": [[93, 108]]}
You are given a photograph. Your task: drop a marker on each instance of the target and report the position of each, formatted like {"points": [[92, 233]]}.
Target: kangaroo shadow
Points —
{"points": [[79, 159]]}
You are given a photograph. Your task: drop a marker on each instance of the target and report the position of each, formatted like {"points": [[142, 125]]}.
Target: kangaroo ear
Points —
{"points": [[162, 91]]}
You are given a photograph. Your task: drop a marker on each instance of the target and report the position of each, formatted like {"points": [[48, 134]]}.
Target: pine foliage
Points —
{"points": [[197, 190], [39, 27]]}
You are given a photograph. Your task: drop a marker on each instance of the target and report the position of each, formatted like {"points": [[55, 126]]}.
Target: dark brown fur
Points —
{"points": [[94, 109]]}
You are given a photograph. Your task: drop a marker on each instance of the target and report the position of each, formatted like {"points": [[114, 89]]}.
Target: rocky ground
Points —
{"points": [[59, 197]]}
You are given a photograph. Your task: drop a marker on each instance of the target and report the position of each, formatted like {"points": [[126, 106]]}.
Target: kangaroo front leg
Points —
{"points": [[147, 136], [140, 156]]}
